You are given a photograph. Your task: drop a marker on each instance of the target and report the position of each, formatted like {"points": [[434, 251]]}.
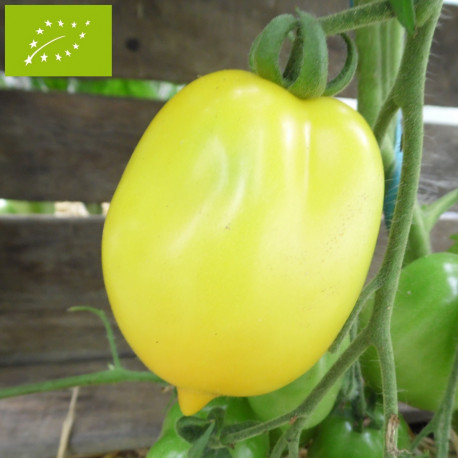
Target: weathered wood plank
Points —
{"points": [[177, 41], [63, 147], [52, 258], [108, 417], [48, 265], [439, 173], [50, 336]]}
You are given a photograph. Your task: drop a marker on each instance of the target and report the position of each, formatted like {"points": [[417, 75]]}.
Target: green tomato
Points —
{"points": [[285, 399], [171, 445], [338, 437], [424, 331]]}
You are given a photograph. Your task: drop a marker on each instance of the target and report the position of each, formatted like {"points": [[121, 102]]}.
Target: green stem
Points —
{"points": [[432, 212], [96, 378], [366, 293], [279, 447], [384, 119], [368, 14], [110, 335], [391, 37], [440, 424], [390, 399], [293, 445], [419, 244], [358, 401], [349, 356], [407, 93], [369, 72], [445, 413]]}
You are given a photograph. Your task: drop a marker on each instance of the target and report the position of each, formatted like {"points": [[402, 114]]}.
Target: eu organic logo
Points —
{"points": [[58, 40]]}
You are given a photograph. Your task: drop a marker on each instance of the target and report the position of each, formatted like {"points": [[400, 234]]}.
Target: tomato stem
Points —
{"points": [[368, 14], [433, 211], [279, 447], [392, 45], [96, 378], [407, 94], [366, 293], [108, 329], [440, 424], [369, 70], [419, 243], [348, 357]]}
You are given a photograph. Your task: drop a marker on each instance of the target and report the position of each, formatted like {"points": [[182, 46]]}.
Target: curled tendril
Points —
{"points": [[343, 79], [306, 71]]}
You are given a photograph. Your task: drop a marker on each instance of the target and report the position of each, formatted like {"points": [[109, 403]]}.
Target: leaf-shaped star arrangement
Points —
{"points": [[40, 40]]}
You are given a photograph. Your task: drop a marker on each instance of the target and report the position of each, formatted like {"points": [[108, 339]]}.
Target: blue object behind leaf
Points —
{"points": [[393, 177]]}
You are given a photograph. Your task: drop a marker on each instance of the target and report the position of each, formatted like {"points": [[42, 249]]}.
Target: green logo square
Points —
{"points": [[58, 40]]}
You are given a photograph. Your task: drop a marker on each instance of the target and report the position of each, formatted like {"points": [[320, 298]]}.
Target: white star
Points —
{"points": [[33, 44], [75, 46], [88, 22], [61, 24], [58, 57], [48, 24], [28, 60], [44, 57], [82, 35], [68, 53], [40, 32], [73, 24]]}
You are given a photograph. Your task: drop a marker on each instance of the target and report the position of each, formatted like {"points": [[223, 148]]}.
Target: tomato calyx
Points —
{"points": [[306, 71], [202, 434]]}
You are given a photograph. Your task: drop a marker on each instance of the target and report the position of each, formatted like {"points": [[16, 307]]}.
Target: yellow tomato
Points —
{"points": [[240, 235]]}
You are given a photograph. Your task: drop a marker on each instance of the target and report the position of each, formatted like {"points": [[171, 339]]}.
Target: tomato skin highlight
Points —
{"points": [[424, 331], [240, 235]]}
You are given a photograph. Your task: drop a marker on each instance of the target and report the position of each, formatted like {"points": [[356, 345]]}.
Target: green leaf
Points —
{"points": [[199, 446], [405, 13], [454, 247], [236, 427], [217, 414], [200, 432], [192, 428]]}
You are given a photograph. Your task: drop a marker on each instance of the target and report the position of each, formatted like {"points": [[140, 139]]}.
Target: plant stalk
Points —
{"points": [[96, 378], [407, 94]]}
